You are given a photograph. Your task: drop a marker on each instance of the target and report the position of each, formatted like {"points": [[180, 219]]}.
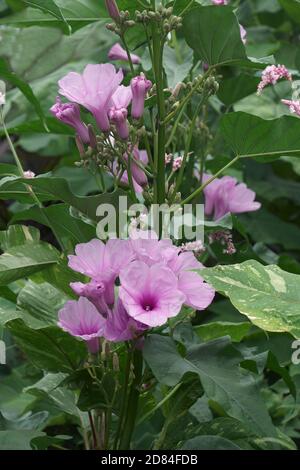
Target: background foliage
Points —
{"points": [[229, 374]]}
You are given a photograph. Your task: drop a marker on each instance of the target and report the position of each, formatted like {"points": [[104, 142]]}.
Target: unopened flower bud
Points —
{"points": [[113, 9], [139, 87]]}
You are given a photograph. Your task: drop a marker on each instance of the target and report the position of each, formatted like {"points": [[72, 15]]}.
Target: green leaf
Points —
{"points": [[24, 260], [176, 69], [18, 439], [236, 331], [251, 136], [39, 304], [17, 235], [209, 443], [26, 89], [292, 7], [211, 43], [235, 88], [49, 6], [77, 13], [70, 230], [217, 365], [54, 189], [268, 296], [49, 348]]}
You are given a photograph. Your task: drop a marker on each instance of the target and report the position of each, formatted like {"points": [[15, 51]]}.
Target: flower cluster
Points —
{"points": [[294, 106], [271, 75], [99, 90], [225, 195], [155, 279]]}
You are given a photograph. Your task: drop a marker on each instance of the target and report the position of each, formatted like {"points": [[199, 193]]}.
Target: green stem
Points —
{"points": [[203, 186], [160, 404], [128, 53], [132, 407], [124, 399], [158, 44], [187, 148]]}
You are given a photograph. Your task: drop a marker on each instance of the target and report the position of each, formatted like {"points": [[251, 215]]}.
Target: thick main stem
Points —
{"points": [[161, 126], [133, 399]]}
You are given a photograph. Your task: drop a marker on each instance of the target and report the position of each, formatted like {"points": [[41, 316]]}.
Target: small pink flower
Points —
{"points": [[118, 111], [82, 320], [93, 90], [118, 53], [69, 113], [243, 33], [112, 9], [226, 195], [294, 106], [139, 86], [168, 158], [177, 163], [196, 246], [219, 2], [149, 293], [29, 174], [271, 75]]}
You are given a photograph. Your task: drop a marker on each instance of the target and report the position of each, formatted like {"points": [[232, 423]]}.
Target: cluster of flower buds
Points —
{"points": [[211, 86], [163, 16], [121, 24], [197, 247], [225, 238]]}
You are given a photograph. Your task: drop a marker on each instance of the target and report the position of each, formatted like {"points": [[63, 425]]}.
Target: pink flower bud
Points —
{"points": [[219, 2], [118, 111], [118, 53], [112, 9], [69, 113], [119, 118], [139, 87]]}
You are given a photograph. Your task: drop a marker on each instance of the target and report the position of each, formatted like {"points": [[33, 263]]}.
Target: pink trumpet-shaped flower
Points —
{"points": [[149, 293], [120, 326], [139, 87], [294, 106], [118, 53], [112, 9], [93, 90], [69, 113], [271, 75], [82, 320], [138, 176], [118, 110], [226, 195], [102, 263]]}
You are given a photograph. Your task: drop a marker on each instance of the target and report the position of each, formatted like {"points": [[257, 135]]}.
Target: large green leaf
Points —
{"points": [[26, 89], [217, 365], [48, 348], [214, 35], [77, 13], [70, 230], [39, 304], [209, 443], [49, 6], [251, 136], [18, 439], [292, 7], [24, 260], [268, 296], [235, 88], [55, 189], [17, 235]]}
